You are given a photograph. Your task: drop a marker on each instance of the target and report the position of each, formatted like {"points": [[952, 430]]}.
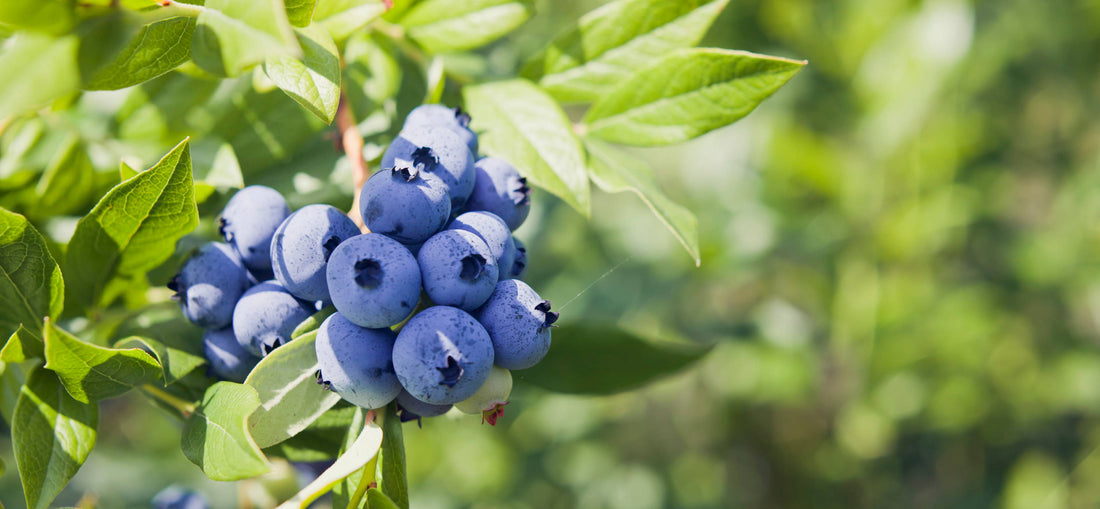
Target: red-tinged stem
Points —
{"points": [[353, 147]]}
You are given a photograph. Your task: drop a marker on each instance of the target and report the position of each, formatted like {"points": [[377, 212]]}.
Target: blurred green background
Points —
{"points": [[900, 274]]}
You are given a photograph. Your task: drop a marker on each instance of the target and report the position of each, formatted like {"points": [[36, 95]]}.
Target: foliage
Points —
{"points": [[208, 95]]}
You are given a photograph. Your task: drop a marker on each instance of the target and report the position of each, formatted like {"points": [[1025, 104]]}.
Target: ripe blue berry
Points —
{"points": [[302, 245], [500, 189], [356, 362], [373, 280], [209, 285], [410, 408], [248, 222], [266, 315], [401, 204], [518, 322], [226, 357], [492, 230], [438, 153], [452, 118], [457, 269], [442, 355]]}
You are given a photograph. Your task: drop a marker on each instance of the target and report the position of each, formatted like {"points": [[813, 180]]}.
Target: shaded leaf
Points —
{"points": [[90, 372], [686, 94], [174, 363], [157, 49], [322, 440], [314, 80], [215, 437], [31, 286], [342, 18], [234, 35], [378, 500], [52, 434], [616, 171], [607, 45], [442, 26], [587, 359], [12, 379], [395, 482], [67, 184], [518, 122], [290, 397], [133, 228], [363, 450], [23, 345], [103, 38]]}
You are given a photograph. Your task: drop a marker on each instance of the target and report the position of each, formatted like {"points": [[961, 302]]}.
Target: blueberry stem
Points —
{"points": [[184, 407]]}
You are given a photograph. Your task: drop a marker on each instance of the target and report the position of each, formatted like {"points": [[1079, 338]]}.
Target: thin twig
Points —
{"points": [[353, 147]]}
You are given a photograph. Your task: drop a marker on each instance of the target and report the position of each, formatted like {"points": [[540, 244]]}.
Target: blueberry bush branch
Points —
{"points": [[211, 96]]}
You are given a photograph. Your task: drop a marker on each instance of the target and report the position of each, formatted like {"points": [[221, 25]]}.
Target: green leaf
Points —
{"points": [[395, 482], [342, 18], [363, 450], [608, 44], [615, 171], [441, 26], [23, 345], [314, 80], [313, 322], [103, 38], [31, 286], [133, 228], [611, 359], [52, 434], [50, 16], [378, 500], [125, 172], [67, 184], [343, 490], [322, 440], [35, 70], [521, 124], [216, 437], [299, 12], [12, 379], [290, 398], [371, 74], [157, 49], [174, 363], [686, 94], [90, 372], [234, 35]]}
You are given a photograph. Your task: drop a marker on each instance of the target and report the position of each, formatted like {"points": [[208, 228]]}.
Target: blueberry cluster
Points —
{"points": [[439, 266]]}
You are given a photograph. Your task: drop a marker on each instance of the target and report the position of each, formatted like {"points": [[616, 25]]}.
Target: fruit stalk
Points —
{"points": [[353, 147]]}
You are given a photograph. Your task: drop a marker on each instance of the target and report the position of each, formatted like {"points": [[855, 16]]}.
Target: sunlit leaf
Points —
{"points": [[31, 286], [90, 372], [216, 437]]}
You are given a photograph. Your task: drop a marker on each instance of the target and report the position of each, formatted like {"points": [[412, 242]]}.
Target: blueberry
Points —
{"points": [[209, 285], [500, 189], [403, 205], [410, 408], [248, 222], [174, 497], [489, 400], [492, 230], [437, 152], [518, 322], [519, 263], [452, 118], [226, 357], [373, 280], [356, 362], [266, 315], [442, 355], [302, 245], [457, 269]]}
